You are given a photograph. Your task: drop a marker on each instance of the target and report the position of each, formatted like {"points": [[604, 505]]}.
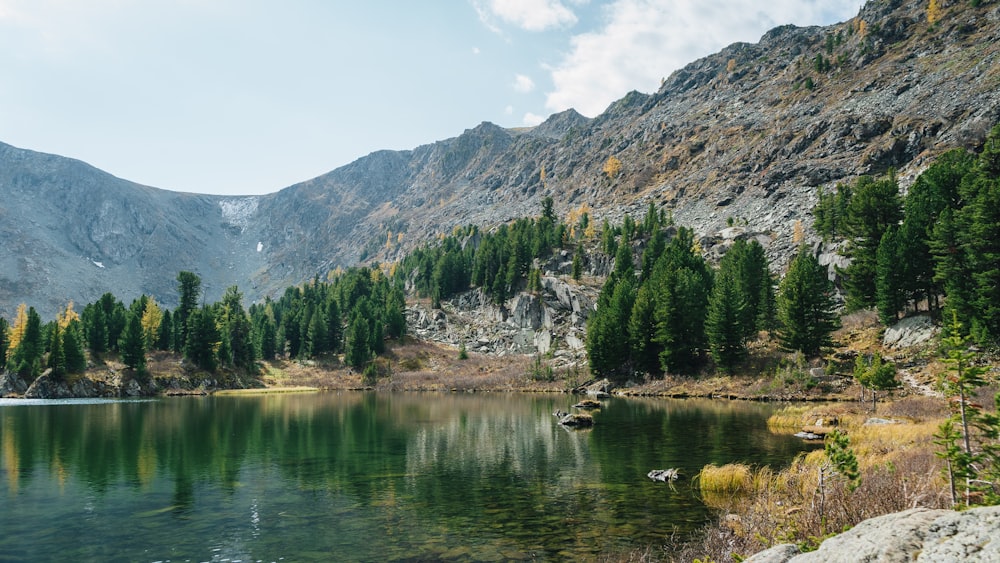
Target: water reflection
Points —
{"points": [[358, 476]]}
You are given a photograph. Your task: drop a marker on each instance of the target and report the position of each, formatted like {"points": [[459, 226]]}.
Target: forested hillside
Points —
{"points": [[745, 137]]}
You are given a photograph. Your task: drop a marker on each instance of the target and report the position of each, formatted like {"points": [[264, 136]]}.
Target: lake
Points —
{"points": [[359, 476]]}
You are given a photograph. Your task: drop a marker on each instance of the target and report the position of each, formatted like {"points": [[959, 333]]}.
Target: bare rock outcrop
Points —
{"points": [[551, 322], [910, 332], [918, 534]]}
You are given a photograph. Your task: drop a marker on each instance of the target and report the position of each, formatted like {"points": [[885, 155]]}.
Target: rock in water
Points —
{"points": [[664, 475], [577, 420]]}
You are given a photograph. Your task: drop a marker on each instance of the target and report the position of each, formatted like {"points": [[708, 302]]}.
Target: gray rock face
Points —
{"points": [[910, 332], [46, 387], [552, 322], [919, 534], [11, 385], [973, 535]]}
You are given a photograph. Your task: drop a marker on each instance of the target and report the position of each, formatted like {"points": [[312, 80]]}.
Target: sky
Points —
{"points": [[242, 97]]}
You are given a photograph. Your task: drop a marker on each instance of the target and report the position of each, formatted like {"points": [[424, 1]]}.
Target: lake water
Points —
{"points": [[359, 476]]}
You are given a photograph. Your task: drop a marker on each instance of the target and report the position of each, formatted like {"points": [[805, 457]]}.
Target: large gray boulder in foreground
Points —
{"points": [[919, 534]]}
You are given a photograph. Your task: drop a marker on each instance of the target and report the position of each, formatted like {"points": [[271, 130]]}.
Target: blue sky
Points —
{"points": [[250, 96]]}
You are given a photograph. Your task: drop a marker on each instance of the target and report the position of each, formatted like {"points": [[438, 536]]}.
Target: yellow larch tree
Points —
{"points": [[150, 322], [15, 334], [67, 316], [933, 11], [612, 167]]}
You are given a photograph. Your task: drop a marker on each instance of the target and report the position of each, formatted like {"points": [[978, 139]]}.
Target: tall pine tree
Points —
{"points": [[805, 306], [874, 207], [725, 323]]}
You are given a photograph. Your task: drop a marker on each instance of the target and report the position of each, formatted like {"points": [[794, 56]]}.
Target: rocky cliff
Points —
{"points": [[745, 137]]}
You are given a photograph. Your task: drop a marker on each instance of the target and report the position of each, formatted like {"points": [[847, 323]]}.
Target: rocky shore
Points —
{"points": [[918, 534]]}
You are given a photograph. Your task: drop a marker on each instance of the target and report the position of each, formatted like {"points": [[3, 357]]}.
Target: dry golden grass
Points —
{"points": [[761, 507], [730, 478], [267, 390]]}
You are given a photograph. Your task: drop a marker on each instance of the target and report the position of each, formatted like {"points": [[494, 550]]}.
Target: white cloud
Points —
{"points": [[523, 84], [531, 119], [509, 110], [642, 41], [476, 51], [530, 15]]}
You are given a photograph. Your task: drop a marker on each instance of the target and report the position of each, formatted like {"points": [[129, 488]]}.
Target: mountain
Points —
{"points": [[746, 137]]}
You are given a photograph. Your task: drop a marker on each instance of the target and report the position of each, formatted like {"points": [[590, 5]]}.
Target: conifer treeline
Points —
{"points": [[501, 262], [937, 247], [941, 243], [306, 322]]}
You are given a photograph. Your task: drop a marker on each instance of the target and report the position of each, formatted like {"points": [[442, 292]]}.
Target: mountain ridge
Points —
{"points": [[745, 136]]}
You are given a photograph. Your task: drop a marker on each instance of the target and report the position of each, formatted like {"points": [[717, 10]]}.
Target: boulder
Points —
{"points": [[918, 534], [543, 341], [577, 420], [12, 385], [48, 387], [909, 332], [664, 475]]}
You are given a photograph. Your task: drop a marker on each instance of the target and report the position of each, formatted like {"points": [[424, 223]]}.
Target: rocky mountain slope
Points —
{"points": [[745, 137]]}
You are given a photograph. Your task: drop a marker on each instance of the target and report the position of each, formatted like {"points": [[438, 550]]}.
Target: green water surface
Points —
{"points": [[359, 476]]}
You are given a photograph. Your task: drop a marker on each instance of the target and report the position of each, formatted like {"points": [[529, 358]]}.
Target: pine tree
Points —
{"points": [[890, 298], [608, 243], [973, 457], [725, 323], [165, 334], [805, 306], [577, 263], [57, 357], [76, 359], [26, 344], [952, 269], [748, 265], [607, 328], [189, 289], [238, 329], [202, 339], [133, 345], [318, 341], [334, 329], [96, 327], [358, 350], [624, 268], [4, 342], [642, 331], [983, 212], [682, 283], [935, 191], [875, 206], [268, 339], [651, 254]]}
